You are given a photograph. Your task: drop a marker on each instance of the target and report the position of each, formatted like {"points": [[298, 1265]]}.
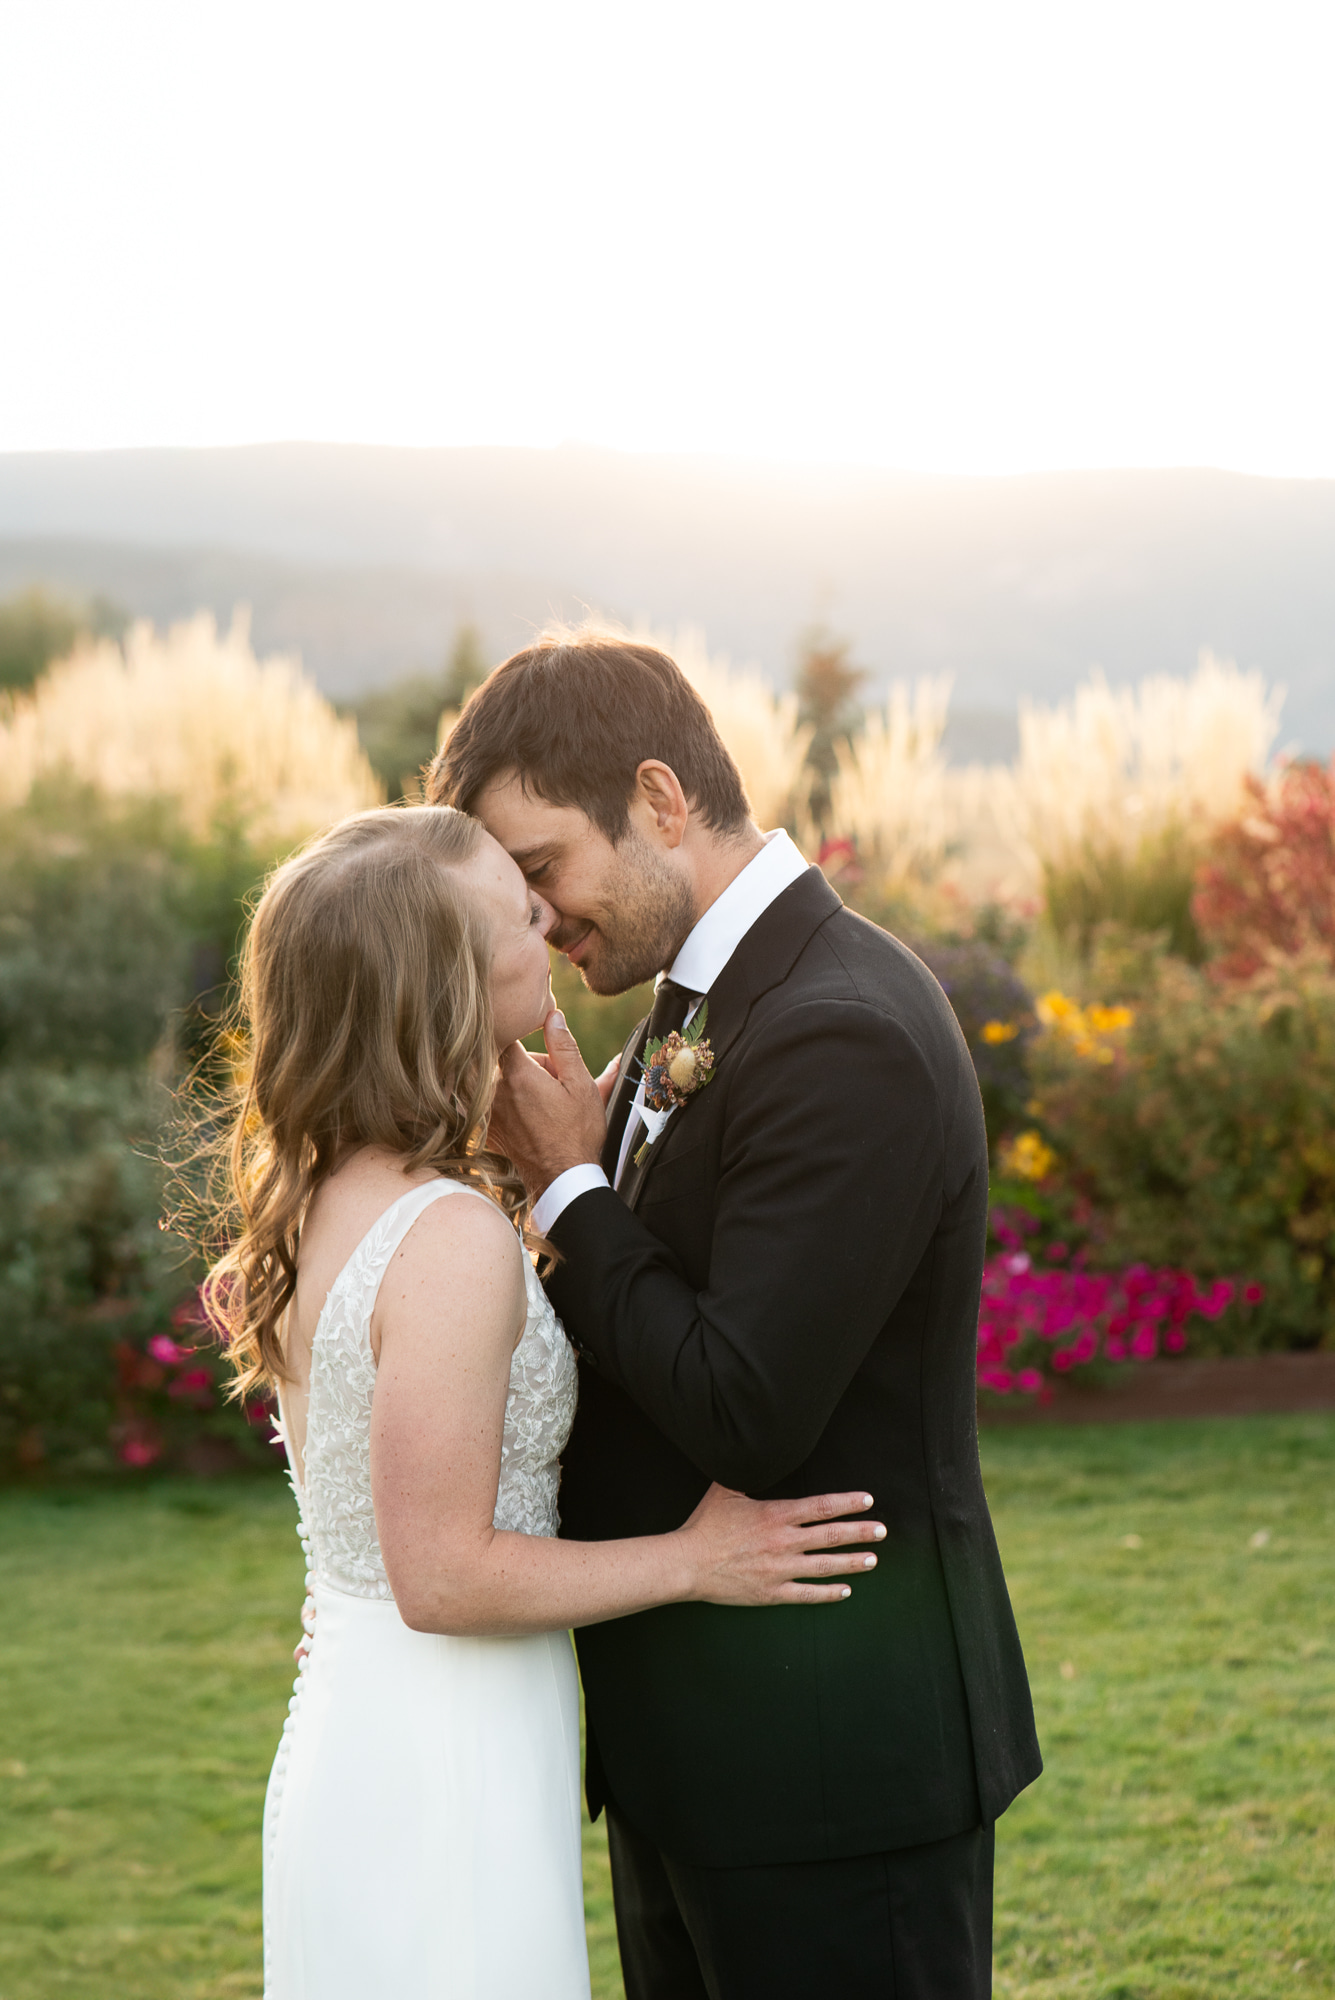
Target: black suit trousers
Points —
{"points": [[911, 1924]]}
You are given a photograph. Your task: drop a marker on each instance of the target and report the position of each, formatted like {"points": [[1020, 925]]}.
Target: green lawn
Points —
{"points": [[1174, 1593]]}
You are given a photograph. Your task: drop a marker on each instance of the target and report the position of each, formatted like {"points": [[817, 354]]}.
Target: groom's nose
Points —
{"points": [[564, 931]]}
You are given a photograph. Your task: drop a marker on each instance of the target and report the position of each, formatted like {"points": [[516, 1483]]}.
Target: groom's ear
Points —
{"points": [[659, 803]]}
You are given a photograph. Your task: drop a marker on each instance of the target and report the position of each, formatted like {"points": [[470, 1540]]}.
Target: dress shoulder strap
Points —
{"points": [[387, 1234]]}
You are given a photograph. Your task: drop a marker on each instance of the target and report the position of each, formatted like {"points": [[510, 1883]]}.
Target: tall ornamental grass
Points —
{"points": [[1103, 817], [759, 727], [890, 795], [1116, 791], [192, 717]]}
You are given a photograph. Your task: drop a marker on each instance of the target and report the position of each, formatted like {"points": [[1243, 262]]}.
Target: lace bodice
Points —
{"points": [[338, 1527]]}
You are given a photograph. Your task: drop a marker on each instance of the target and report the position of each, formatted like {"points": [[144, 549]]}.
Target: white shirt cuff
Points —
{"points": [[556, 1199]]}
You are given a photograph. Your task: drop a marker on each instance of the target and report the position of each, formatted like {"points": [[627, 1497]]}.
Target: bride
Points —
{"points": [[421, 1831]]}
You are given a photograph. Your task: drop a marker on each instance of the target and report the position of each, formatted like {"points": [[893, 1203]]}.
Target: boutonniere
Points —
{"points": [[675, 1068]]}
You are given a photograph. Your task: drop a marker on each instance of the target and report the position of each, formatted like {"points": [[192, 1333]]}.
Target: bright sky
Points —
{"points": [[912, 233]]}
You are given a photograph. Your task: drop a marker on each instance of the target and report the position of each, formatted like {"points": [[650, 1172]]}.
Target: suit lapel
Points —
{"points": [[763, 959]]}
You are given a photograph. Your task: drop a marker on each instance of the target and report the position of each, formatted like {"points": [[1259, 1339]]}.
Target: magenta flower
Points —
{"points": [[195, 1386], [1034, 1319], [165, 1350]]}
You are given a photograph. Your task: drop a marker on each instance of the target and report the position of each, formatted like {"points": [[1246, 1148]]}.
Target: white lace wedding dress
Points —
{"points": [[421, 1831]]}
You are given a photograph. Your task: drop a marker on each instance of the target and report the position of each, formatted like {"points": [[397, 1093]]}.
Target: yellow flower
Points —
{"points": [[1054, 1009], [1083, 1026], [1107, 1020], [1000, 1031], [1027, 1157]]}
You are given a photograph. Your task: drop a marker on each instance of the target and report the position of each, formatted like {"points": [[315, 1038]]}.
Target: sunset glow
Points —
{"points": [[963, 238]]}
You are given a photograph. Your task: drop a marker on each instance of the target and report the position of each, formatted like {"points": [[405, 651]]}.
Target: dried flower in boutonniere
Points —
{"points": [[675, 1068]]}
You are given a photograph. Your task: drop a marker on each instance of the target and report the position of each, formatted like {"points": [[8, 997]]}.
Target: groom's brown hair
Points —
{"points": [[574, 716]]}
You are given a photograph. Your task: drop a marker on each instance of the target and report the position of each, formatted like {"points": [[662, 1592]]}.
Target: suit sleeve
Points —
{"points": [[829, 1191]]}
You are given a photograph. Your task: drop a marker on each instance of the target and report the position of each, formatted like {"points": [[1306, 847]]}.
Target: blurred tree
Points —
{"points": [[466, 667], [36, 628], [399, 725], [827, 685]]}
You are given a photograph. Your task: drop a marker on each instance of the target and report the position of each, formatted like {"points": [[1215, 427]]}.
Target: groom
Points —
{"points": [[772, 1279]]}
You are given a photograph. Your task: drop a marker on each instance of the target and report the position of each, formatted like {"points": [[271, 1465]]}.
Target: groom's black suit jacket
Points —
{"points": [[791, 1308]]}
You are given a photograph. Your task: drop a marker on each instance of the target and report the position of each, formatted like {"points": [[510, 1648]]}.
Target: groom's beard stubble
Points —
{"points": [[650, 910]]}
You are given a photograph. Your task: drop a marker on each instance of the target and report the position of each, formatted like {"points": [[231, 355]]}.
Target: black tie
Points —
{"points": [[672, 1003]]}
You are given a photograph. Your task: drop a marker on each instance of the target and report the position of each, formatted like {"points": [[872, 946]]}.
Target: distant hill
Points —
{"points": [[355, 627], [366, 559]]}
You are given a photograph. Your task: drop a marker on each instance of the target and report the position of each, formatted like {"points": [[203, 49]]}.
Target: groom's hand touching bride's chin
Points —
{"points": [[548, 1111]]}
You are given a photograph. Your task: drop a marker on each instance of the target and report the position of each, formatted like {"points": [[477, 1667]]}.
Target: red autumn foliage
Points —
{"points": [[1267, 883]]}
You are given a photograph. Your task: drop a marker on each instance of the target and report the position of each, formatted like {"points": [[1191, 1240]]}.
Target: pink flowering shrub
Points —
{"points": [[1198, 1137], [1043, 1313], [171, 1392]]}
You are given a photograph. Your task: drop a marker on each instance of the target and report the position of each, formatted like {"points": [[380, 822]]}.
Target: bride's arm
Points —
{"points": [[450, 1307]]}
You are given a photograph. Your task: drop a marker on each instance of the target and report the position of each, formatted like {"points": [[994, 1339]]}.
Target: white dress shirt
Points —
{"points": [[696, 967]]}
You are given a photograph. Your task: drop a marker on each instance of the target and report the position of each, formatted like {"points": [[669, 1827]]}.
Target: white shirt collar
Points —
{"points": [[730, 916]]}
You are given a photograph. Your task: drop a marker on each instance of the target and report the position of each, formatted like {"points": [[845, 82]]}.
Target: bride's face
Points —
{"points": [[521, 973]]}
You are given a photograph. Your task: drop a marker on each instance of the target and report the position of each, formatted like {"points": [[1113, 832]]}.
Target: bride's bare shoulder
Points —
{"points": [[347, 1205], [459, 1268]]}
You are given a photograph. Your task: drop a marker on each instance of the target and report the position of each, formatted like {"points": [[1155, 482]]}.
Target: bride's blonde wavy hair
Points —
{"points": [[364, 1019]]}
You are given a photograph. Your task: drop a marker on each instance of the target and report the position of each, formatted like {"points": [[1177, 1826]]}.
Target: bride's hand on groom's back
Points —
{"points": [[548, 1111], [778, 1551]]}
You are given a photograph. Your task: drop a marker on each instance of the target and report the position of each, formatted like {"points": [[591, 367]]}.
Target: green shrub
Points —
{"points": [[113, 923], [36, 628], [1147, 891], [92, 956], [83, 1264], [116, 933], [1204, 1137]]}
